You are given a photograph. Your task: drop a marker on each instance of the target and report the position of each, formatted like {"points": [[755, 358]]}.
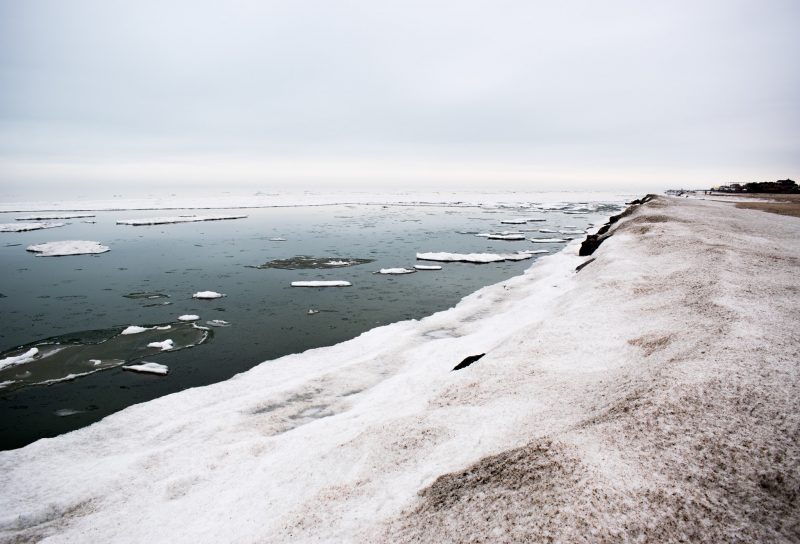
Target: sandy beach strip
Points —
{"points": [[652, 396]]}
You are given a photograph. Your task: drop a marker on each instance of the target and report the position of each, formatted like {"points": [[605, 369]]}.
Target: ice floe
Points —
{"points": [[67, 247], [207, 295], [23, 227], [54, 216], [164, 345], [548, 231], [548, 240], [148, 368], [534, 251], [305, 262], [134, 329], [188, 317], [277, 239], [396, 271], [332, 283], [427, 267], [572, 232], [507, 237], [513, 221], [218, 323], [20, 359], [176, 219], [478, 258]]}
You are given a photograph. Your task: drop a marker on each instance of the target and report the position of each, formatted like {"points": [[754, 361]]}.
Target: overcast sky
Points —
{"points": [[115, 96]]}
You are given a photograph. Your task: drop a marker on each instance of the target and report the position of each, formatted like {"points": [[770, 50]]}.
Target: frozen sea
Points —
{"points": [[80, 302]]}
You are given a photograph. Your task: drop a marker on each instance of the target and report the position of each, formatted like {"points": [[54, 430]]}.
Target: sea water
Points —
{"points": [[82, 303]]}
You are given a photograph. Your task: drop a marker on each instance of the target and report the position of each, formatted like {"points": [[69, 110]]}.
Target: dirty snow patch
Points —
{"points": [[21, 359]]}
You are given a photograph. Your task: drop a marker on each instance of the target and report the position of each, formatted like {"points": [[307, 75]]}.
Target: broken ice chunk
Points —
{"points": [[207, 295], [163, 346], [148, 368]]}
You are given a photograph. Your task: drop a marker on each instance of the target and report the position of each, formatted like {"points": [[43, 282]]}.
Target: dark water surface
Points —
{"points": [[48, 297]]}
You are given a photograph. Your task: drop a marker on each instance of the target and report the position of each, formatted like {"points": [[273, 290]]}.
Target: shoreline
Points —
{"points": [[645, 397]]}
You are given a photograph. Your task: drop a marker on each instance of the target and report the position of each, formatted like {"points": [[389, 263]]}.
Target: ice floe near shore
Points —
{"points": [[478, 258], [548, 240], [427, 267], [148, 368], [177, 219], [24, 227], [67, 247], [321, 283]]}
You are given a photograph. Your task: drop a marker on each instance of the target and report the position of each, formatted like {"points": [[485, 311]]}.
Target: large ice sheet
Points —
{"points": [[23, 227], [479, 258], [176, 219]]}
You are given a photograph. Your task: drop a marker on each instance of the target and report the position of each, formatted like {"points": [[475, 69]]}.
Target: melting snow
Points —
{"points": [[163, 346], [134, 329], [67, 247]]}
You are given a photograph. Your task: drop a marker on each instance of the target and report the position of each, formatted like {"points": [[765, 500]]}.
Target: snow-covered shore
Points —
{"points": [[651, 396]]}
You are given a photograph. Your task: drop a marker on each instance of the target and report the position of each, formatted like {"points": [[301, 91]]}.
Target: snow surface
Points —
{"points": [[207, 295], [330, 283], [480, 258], [148, 368], [652, 396], [176, 219], [188, 317], [20, 359], [67, 247], [396, 271], [23, 227]]}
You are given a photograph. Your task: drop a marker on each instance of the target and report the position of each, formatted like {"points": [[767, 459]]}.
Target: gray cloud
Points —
{"points": [[577, 92]]}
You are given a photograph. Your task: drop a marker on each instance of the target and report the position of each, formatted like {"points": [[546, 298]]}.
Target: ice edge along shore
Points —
{"points": [[652, 395]]}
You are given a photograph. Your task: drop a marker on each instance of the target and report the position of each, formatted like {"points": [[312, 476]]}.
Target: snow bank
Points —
{"points": [[23, 227], [331, 283], [652, 396], [67, 247], [480, 258], [177, 219], [207, 295], [148, 368]]}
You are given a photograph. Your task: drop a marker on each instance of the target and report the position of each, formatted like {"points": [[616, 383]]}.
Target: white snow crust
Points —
{"points": [[23, 227], [320, 283], [207, 295], [67, 247], [20, 359], [651, 396], [148, 368], [480, 258], [176, 219]]}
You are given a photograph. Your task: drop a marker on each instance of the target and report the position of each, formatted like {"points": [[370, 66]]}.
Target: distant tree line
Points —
{"points": [[781, 186]]}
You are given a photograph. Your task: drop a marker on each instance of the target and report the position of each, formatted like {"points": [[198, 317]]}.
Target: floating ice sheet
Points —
{"points": [[427, 267], [396, 271], [67, 247], [22, 227], [507, 237], [54, 216], [548, 240], [73, 355], [479, 258], [148, 368], [176, 219], [188, 317], [207, 295]]}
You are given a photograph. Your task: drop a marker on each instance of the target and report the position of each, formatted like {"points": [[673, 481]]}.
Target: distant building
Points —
{"points": [[782, 186]]}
